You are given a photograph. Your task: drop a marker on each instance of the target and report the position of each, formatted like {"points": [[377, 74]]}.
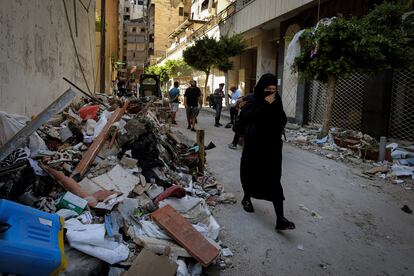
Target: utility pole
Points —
{"points": [[102, 54]]}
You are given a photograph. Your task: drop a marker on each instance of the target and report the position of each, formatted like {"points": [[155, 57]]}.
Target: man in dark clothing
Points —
{"points": [[218, 101], [191, 100]]}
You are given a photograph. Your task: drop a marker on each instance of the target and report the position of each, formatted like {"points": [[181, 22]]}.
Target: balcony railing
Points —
{"points": [[213, 22]]}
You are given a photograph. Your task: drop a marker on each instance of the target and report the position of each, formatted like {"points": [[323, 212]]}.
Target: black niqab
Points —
{"points": [[265, 81]]}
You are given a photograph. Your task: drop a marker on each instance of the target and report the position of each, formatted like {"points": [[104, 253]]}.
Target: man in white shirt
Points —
{"points": [[235, 95]]}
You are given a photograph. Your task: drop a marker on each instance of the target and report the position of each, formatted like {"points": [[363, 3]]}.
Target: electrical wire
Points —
{"points": [[74, 46], [319, 9]]}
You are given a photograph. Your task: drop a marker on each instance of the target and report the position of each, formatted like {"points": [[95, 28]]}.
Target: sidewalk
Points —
{"points": [[225, 113]]}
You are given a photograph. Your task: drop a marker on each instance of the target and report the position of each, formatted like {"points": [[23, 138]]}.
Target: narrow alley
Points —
{"points": [[101, 174], [359, 227]]}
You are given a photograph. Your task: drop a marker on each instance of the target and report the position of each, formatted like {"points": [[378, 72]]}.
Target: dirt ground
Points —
{"points": [[357, 226]]}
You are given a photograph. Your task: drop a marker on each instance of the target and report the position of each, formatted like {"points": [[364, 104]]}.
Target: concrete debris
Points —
{"points": [[106, 171], [375, 170], [358, 149]]}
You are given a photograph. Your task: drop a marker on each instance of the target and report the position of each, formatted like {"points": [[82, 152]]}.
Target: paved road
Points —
{"points": [[362, 230]]}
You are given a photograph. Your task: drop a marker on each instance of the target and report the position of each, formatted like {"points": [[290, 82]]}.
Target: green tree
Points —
{"points": [[228, 46], [345, 46], [159, 70], [178, 68], [202, 56]]}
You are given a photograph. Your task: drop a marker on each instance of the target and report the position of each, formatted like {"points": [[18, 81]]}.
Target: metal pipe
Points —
{"points": [[86, 94], [102, 53], [382, 148]]}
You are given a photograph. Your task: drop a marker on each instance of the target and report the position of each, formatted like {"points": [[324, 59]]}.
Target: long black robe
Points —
{"points": [[261, 162]]}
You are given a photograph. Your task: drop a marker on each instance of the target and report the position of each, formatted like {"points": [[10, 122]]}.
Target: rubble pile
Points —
{"points": [[359, 149], [128, 188]]}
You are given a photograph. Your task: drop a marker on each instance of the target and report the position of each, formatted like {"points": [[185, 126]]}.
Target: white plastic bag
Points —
{"points": [[90, 239], [10, 124]]}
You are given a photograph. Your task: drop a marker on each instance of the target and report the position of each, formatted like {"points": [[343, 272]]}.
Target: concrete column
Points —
{"points": [[266, 55], [377, 105]]}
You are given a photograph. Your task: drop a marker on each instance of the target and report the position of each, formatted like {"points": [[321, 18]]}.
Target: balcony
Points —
{"points": [[253, 13]]}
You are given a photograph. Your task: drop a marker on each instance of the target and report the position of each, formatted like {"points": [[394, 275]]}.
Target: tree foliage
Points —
{"points": [[345, 46], [229, 46], [202, 55], [208, 52], [170, 69]]}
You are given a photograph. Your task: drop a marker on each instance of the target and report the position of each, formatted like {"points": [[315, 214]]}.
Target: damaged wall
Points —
{"points": [[36, 51]]}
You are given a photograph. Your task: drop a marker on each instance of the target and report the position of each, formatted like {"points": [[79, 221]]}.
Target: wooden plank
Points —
{"points": [[185, 235], [201, 152], [97, 144]]}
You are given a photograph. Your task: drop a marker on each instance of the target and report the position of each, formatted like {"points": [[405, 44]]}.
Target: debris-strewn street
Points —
{"points": [[347, 223], [206, 137]]}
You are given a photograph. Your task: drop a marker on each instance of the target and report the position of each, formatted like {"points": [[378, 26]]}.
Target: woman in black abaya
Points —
{"points": [[263, 120]]}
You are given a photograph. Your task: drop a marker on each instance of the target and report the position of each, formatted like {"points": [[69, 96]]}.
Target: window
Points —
{"points": [[127, 10], [126, 17], [142, 30], [125, 33], [125, 42], [192, 15], [151, 38], [204, 5], [181, 11], [124, 58], [133, 54], [141, 3], [134, 29]]}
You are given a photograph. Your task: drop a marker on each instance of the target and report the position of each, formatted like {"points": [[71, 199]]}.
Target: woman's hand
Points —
{"points": [[271, 98]]}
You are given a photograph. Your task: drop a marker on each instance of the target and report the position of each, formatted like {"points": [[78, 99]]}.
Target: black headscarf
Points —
{"points": [[265, 81]]}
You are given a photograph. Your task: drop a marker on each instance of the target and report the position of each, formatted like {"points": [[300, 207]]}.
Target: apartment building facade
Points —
{"points": [[269, 25], [164, 16]]}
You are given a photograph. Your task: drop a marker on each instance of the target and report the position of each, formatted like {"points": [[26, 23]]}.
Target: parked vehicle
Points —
{"points": [[149, 86]]}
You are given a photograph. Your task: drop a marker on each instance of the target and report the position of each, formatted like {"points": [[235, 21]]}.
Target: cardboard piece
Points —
{"points": [[118, 179], [148, 264], [72, 202], [185, 235]]}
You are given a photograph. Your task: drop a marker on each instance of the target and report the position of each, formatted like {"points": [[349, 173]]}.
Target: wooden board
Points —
{"points": [[185, 234]]}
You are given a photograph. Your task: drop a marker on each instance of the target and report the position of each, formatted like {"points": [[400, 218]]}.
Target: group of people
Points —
{"points": [[192, 103], [258, 117]]}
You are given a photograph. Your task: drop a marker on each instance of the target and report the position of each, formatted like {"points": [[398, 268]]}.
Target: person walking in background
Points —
{"points": [[262, 120], [235, 95], [218, 103], [191, 101], [173, 94], [239, 105]]}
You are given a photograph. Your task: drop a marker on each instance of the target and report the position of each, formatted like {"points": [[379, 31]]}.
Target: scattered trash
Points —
{"points": [[406, 209], [105, 172], [375, 170], [226, 252], [313, 213]]}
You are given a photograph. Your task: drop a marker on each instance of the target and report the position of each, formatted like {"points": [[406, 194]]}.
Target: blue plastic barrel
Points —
{"points": [[31, 241]]}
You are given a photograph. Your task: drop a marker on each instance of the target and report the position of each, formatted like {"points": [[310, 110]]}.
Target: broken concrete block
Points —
{"points": [[154, 191], [129, 162], [375, 170], [159, 246]]}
